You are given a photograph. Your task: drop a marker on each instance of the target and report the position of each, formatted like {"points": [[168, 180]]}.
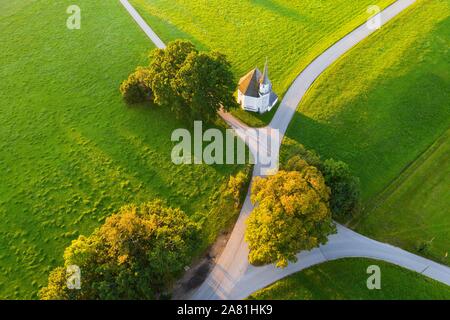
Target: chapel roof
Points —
{"points": [[249, 84]]}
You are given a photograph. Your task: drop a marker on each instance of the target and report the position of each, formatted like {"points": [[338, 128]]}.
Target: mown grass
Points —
{"points": [[290, 33], [378, 109], [71, 152], [346, 279], [414, 211]]}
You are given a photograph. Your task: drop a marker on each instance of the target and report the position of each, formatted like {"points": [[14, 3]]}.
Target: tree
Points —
{"points": [[193, 85], [136, 88], [292, 148], [136, 254], [291, 215], [237, 187], [206, 84], [345, 188], [164, 68]]}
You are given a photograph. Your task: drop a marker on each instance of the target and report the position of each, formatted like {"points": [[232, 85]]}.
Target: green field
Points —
{"points": [[290, 33], [347, 280], [378, 109], [414, 209], [386, 101], [71, 152]]}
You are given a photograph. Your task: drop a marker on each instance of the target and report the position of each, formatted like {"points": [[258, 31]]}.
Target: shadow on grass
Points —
{"points": [[280, 9], [167, 31]]}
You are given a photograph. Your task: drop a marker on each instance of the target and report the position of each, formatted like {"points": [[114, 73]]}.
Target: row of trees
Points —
{"points": [[193, 85], [136, 254]]}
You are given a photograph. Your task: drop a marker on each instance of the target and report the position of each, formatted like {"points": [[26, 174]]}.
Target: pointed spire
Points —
{"points": [[265, 76]]}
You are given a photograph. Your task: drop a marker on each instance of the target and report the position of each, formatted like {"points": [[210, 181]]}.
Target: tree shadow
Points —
{"points": [[168, 31], [280, 9]]}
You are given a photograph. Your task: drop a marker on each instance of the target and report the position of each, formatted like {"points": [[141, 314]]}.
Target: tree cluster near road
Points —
{"points": [[294, 208], [345, 189], [136, 255], [291, 214], [193, 85]]}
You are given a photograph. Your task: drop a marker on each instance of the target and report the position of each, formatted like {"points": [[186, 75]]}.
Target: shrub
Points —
{"points": [[424, 246], [237, 187], [136, 88], [345, 189]]}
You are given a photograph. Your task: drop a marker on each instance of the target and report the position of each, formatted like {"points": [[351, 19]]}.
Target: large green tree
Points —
{"points": [[291, 214], [193, 85], [136, 254], [164, 68], [206, 84], [345, 198]]}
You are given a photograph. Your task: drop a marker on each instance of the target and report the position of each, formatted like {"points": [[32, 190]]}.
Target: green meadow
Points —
{"points": [[71, 152], [290, 33], [346, 279], [379, 108], [413, 211]]}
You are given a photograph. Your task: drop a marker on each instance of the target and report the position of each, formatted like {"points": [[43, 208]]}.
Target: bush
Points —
{"points": [[237, 187], [136, 88], [292, 148], [136, 254], [424, 246], [345, 189]]}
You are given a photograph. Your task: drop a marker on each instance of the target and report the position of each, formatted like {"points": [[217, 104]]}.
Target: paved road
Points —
{"points": [[144, 26], [233, 277]]}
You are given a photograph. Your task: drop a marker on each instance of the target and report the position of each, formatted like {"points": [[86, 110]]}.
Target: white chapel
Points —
{"points": [[255, 91]]}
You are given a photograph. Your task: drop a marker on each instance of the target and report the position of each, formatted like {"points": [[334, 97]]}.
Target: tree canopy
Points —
{"points": [[345, 198], [291, 214], [136, 254], [193, 85], [135, 89], [345, 189]]}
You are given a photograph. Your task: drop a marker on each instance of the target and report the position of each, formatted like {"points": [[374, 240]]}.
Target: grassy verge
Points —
{"points": [[71, 152], [347, 280], [290, 33]]}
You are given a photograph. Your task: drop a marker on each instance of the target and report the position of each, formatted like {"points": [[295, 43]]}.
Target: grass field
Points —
{"points": [[290, 33], [71, 152], [347, 280], [378, 109], [414, 209]]}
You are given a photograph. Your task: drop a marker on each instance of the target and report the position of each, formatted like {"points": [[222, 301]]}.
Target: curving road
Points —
{"points": [[233, 277]]}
